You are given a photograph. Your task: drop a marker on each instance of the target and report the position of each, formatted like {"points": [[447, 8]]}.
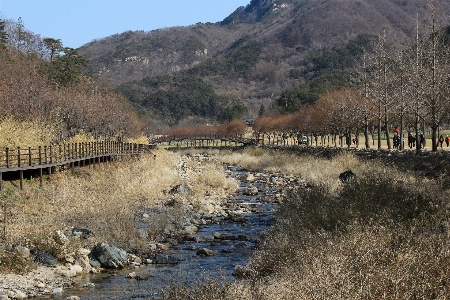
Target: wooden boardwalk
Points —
{"points": [[67, 155]]}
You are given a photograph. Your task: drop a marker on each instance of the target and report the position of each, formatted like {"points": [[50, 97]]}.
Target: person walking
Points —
{"points": [[441, 140], [447, 140]]}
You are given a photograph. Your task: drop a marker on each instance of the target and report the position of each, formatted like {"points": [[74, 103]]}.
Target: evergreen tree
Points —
{"points": [[54, 46], [3, 35], [262, 110]]}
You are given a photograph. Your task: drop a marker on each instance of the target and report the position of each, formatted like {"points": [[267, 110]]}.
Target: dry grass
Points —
{"points": [[382, 236], [15, 134], [107, 199]]}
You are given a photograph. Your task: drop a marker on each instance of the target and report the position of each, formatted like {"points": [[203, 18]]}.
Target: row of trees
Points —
{"points": [[44, 82], [406, 88]]}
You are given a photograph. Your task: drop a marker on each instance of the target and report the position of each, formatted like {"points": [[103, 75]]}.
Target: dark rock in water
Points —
{"points": [[206, 252], [165, 259], [347, 176], [109, 256], [182, 189], [45, 259], [82, 232]]}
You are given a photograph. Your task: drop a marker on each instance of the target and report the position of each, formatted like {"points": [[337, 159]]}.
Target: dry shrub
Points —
{"points": [[82, 137], [14, 133], [384, 235]]}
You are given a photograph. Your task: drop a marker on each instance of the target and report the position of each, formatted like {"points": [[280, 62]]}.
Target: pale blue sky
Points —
{"points": [[77, 22]]}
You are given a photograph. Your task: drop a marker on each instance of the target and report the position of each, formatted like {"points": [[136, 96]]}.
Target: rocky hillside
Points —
{"points": [[257, 52]]}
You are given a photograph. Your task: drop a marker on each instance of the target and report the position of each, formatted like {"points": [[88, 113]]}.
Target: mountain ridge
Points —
{"points": [[287, 31]]}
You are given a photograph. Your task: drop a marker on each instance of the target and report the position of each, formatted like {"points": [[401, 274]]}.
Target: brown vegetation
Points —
{"points": [[383, 235]]}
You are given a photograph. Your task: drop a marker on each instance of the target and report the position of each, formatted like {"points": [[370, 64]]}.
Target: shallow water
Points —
{"points": [[191, 268]]}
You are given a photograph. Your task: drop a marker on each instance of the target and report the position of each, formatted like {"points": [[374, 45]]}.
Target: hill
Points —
{"points": [[257, 52]]}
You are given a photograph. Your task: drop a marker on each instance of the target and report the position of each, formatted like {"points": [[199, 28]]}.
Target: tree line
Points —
{"points": [[44, 82], [404, 88]]}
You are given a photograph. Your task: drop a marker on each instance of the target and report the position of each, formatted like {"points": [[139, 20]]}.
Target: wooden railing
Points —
{"points": [[65, 154], [23, 157]]}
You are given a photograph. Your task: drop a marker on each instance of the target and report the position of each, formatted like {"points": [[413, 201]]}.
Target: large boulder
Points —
{"points": [[109, 256]]}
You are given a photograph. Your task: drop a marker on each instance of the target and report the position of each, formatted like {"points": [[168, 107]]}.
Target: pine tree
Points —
{"points": [[3, 35]]}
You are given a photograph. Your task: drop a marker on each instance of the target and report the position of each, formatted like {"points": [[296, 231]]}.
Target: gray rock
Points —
{"points": [[165, 259], [109, 256], [95, 263], [217, 235], [45, 259], [206, 252], [251, 190], [24, 252]]}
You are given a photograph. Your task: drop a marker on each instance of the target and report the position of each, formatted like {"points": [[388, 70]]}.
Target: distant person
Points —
{"points": [[422, 141], [441, 140], [447, 140], [395, 140], [410, 140]]}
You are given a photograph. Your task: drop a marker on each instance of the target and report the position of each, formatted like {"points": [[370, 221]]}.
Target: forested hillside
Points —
{"points": [[258, 52], [48, 94]]}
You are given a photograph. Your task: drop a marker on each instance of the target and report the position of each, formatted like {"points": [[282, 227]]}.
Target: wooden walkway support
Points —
{"points": [[66, 154]]}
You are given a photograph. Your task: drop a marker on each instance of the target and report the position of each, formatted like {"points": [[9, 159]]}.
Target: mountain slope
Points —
{"points": [[287, 33]]}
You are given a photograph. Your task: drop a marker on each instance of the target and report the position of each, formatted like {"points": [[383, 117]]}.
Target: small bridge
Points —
{"points": [[203, 140], [67, 155]]}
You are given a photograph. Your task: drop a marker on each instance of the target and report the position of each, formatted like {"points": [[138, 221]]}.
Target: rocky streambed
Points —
{"points": [[189, 245]]}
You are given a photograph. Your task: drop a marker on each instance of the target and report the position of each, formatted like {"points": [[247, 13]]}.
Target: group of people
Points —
{"points": [[422, 141], [412, 141]]}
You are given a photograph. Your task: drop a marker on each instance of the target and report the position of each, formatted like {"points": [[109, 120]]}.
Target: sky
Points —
{"points": [[77, 22]]}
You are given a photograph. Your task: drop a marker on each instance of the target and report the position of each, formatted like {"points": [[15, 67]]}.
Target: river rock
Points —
{"points": [[73, 298], [109, 256], [206, 252], [190, 229], [45, 259], [251, 190], [217, 235], [60, 238], [23, 252], [250, 177], [19, 295], [165, 259], [82, 232]]}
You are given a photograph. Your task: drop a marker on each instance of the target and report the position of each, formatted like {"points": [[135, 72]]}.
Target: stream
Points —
{"points": [[239, 240]]}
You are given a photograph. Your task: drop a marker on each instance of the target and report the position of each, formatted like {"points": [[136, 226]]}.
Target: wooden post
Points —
{"points": [[40, 155], [18, 156], [7, 157], [1, 181], [29, 156], [21, 179], [51, 155], [40, 177], [45, 154]]}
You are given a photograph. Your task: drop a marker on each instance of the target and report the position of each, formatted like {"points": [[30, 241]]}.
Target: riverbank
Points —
{"points": [[313, 215], [134, 205]]}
